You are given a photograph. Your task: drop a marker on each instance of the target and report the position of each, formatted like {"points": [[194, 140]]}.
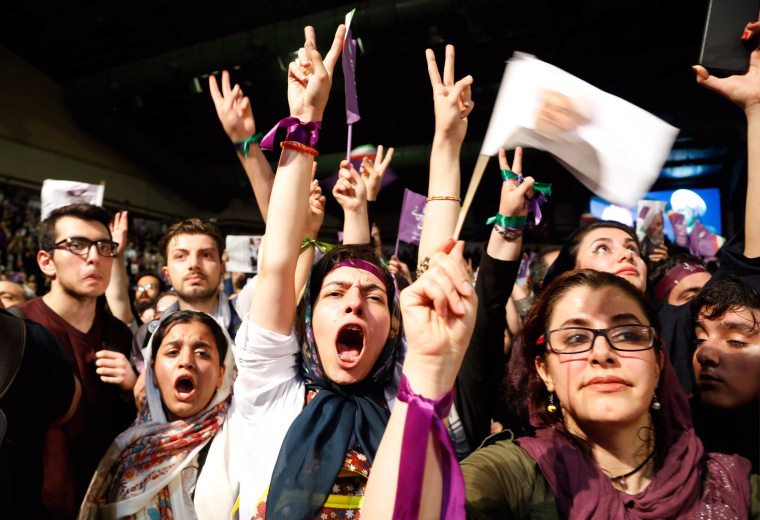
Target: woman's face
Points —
{"points": [[612, 250], [603, 387], [187, 369], [351, 322]]}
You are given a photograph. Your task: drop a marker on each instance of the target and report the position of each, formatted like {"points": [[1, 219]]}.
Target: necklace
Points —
{"points": [[620, 479]]}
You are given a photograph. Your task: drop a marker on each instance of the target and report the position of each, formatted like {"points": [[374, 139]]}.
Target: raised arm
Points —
{"points": [[452, 103], [308, 89], [236, 116], [744, 90], [351, 193], [316, 217], [482, 371], [117, 292], [439, 313]]}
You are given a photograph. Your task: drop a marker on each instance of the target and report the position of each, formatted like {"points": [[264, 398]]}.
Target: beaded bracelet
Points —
{"points": [[292, 145], [445, 197], [510, 235], [245, 144]]}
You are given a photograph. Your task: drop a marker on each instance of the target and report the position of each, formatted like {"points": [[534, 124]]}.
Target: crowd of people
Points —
{"points": [[612, 385]]}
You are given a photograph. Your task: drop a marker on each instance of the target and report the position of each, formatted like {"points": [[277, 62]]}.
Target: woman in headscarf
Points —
{"points": [[614, 434], [167, 465], [315, 406]]}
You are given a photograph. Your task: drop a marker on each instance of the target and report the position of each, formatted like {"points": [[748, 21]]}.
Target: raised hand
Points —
{"points": [[316, 208], [113, 367], [373, 171], [119, 228], [513, 197], [439, 315], [744, 90], [310, 78], [452, 100], [349, 190], [232, 108], [399, 268]]}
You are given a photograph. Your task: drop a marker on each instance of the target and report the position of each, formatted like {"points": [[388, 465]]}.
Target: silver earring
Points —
{"points": [[656, 406]]}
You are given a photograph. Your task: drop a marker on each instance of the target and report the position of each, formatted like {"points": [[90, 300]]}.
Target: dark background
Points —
{"points": [[135, 75]]}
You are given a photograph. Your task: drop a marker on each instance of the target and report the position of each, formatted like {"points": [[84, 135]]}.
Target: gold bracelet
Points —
{"points": [[423, 266], [445, 197]]}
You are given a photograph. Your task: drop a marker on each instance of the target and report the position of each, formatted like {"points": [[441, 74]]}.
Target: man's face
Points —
{"points": [[193, 267], [556, 115], [10, 294], [80, 276], [147, 289], [727, 359]]}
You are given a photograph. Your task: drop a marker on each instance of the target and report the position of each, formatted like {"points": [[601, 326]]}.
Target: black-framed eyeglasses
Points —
{"points": [[81, 246], [575, 340], [146, 287]]}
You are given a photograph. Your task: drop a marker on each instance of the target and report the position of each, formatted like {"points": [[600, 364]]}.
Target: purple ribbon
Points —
{"points": [[534, 207], [422, 416], [304, 133]]}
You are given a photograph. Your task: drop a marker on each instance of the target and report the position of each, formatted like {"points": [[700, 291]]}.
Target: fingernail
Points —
{"points": [[460, 307], [466, 288], [695, 69], [745, 35]]}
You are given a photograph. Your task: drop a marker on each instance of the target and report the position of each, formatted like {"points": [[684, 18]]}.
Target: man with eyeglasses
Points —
{"points": [[76, 252], [146, 292]]}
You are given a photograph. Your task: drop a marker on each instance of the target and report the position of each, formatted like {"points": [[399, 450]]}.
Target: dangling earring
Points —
{"points": [[551, 407], [656, 406]]}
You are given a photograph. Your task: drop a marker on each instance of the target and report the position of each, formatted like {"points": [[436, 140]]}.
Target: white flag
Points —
{"points": [[613, 147], [56, 194]]}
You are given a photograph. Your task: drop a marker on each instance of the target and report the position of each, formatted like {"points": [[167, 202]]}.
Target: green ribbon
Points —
{"points": [[508, 175], [543, 187], [322, 246], [508, 222], [246, 143]]}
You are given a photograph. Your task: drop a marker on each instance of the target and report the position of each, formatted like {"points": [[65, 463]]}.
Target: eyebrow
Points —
{"points": [[621, 318], [186, 250], [180, 341], [735, 326], [365, 287]]}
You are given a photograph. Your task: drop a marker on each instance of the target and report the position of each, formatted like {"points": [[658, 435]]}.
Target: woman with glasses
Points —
{"points": [[614, 435]]}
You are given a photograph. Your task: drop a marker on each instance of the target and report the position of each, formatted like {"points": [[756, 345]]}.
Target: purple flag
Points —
{"points": [[349, 73], [412, 215], [679, 229], [703, 242]]}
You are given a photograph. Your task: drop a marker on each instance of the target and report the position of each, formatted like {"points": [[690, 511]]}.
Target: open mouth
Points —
{"points": [[350, 344], [184, 388]]}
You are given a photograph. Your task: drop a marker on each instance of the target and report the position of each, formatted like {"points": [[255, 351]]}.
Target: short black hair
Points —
{"points": [[89, 212], [161, 286], [726, 295], [220, 338]]}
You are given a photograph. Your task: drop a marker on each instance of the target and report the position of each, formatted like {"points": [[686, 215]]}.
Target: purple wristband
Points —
{"points": [[423, 416], [304, 133]]}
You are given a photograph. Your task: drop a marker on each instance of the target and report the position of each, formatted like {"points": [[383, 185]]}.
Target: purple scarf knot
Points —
{"points": [[425, 415]]}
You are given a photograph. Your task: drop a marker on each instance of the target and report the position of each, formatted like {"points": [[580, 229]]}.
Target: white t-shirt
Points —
{"points": [[269, 395]]}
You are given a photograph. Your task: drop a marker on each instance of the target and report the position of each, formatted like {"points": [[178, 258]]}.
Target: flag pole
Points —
{"points": [[477, 175]]}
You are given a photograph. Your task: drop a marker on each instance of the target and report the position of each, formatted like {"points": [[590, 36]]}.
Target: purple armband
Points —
{"points": [[422, 417], [304, 133]]}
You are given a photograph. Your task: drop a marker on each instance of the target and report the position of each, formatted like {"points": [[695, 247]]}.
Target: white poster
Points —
{"points": [[243, 252]]}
